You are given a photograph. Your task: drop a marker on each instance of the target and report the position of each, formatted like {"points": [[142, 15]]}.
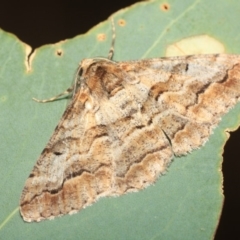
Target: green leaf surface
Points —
{"points": [[186, 202]]}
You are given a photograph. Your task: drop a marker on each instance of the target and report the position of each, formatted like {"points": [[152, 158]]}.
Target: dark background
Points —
{"points": [[41, 22]]}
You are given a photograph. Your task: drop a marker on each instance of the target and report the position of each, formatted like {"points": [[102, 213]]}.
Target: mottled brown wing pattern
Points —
{"points": [[123, 126]]}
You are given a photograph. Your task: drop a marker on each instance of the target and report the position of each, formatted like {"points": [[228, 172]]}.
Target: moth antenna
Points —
{"points": [[66, 92], [111, 51]]}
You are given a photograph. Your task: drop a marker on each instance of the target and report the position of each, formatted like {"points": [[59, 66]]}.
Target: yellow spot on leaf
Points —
{"points": [[101, 37]]}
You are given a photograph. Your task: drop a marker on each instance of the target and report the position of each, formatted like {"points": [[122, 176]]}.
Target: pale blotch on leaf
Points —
{"points": [[3, 98], [121, 22], [101, 37], [202, 44], [165, 7]]}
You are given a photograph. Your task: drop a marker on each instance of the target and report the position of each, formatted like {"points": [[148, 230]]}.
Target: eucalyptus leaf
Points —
{"points": [[186, 202]]}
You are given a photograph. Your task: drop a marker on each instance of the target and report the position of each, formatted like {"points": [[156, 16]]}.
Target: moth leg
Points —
{"points": [[111, 51], [66, 92]]}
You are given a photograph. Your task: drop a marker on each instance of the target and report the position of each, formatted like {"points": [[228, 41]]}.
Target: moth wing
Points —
{"points": [[188, 95], [70, 171]]}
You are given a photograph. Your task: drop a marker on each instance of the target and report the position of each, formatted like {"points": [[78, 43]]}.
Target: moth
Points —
{"points": [[124, 124]]}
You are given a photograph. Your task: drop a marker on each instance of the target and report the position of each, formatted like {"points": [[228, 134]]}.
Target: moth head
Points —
{"points": [[89, 73], [88, 68]]}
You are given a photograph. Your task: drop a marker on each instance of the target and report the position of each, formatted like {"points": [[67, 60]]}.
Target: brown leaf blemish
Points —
{"points": [[121, 22], [165, 7], [59, 52]]}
